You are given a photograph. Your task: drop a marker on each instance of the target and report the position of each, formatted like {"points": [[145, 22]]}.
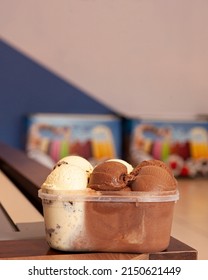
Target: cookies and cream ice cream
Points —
{"points": [[64, 220], [66, 177], [77, 161]]}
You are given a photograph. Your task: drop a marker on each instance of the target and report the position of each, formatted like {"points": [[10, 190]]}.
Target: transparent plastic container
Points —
{"points": [[90, 221]]}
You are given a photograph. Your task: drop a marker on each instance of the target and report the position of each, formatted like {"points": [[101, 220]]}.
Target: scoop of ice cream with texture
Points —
{"points": [[108, 176], [153, 175], [66, 177], [78, 161]]}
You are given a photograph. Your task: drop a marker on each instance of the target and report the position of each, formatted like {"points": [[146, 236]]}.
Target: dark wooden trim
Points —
{"points": [[26, 173]]}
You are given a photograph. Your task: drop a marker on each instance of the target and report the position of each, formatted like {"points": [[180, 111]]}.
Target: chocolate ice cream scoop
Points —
{"points": [[152, 175], [152, 162], [109, 176]]}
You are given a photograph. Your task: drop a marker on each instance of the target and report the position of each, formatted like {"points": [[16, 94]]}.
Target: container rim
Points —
{"points": [[107, 196]]}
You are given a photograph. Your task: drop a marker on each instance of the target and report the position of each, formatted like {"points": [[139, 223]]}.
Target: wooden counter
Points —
{"points": [[39, 249], [28, 175]]}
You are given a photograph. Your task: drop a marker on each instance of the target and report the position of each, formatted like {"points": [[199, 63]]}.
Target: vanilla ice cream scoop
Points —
{"points": [[77, 161], [66, 177]]}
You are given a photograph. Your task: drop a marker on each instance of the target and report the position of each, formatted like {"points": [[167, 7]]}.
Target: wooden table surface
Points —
{"points": [[39, 249], [28, 175]]}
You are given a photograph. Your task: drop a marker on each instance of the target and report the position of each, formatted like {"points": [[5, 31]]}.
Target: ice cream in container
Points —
{"points": [[111, 207]]}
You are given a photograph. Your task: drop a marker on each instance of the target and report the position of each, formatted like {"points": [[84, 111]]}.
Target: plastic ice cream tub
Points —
{"points": [[121, 221]]}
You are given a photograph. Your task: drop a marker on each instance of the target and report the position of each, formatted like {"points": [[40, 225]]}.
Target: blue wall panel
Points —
{"points": [[27, 87]]}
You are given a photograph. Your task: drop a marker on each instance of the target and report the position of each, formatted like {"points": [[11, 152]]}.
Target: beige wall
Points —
{"points": [[141, 57]]}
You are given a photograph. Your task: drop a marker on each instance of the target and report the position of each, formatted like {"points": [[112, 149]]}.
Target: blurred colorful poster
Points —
{"points": [[182, 145], [54, 136]]}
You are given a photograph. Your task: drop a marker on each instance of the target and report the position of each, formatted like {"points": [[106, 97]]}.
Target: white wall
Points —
{"points": [[140, 57]]}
